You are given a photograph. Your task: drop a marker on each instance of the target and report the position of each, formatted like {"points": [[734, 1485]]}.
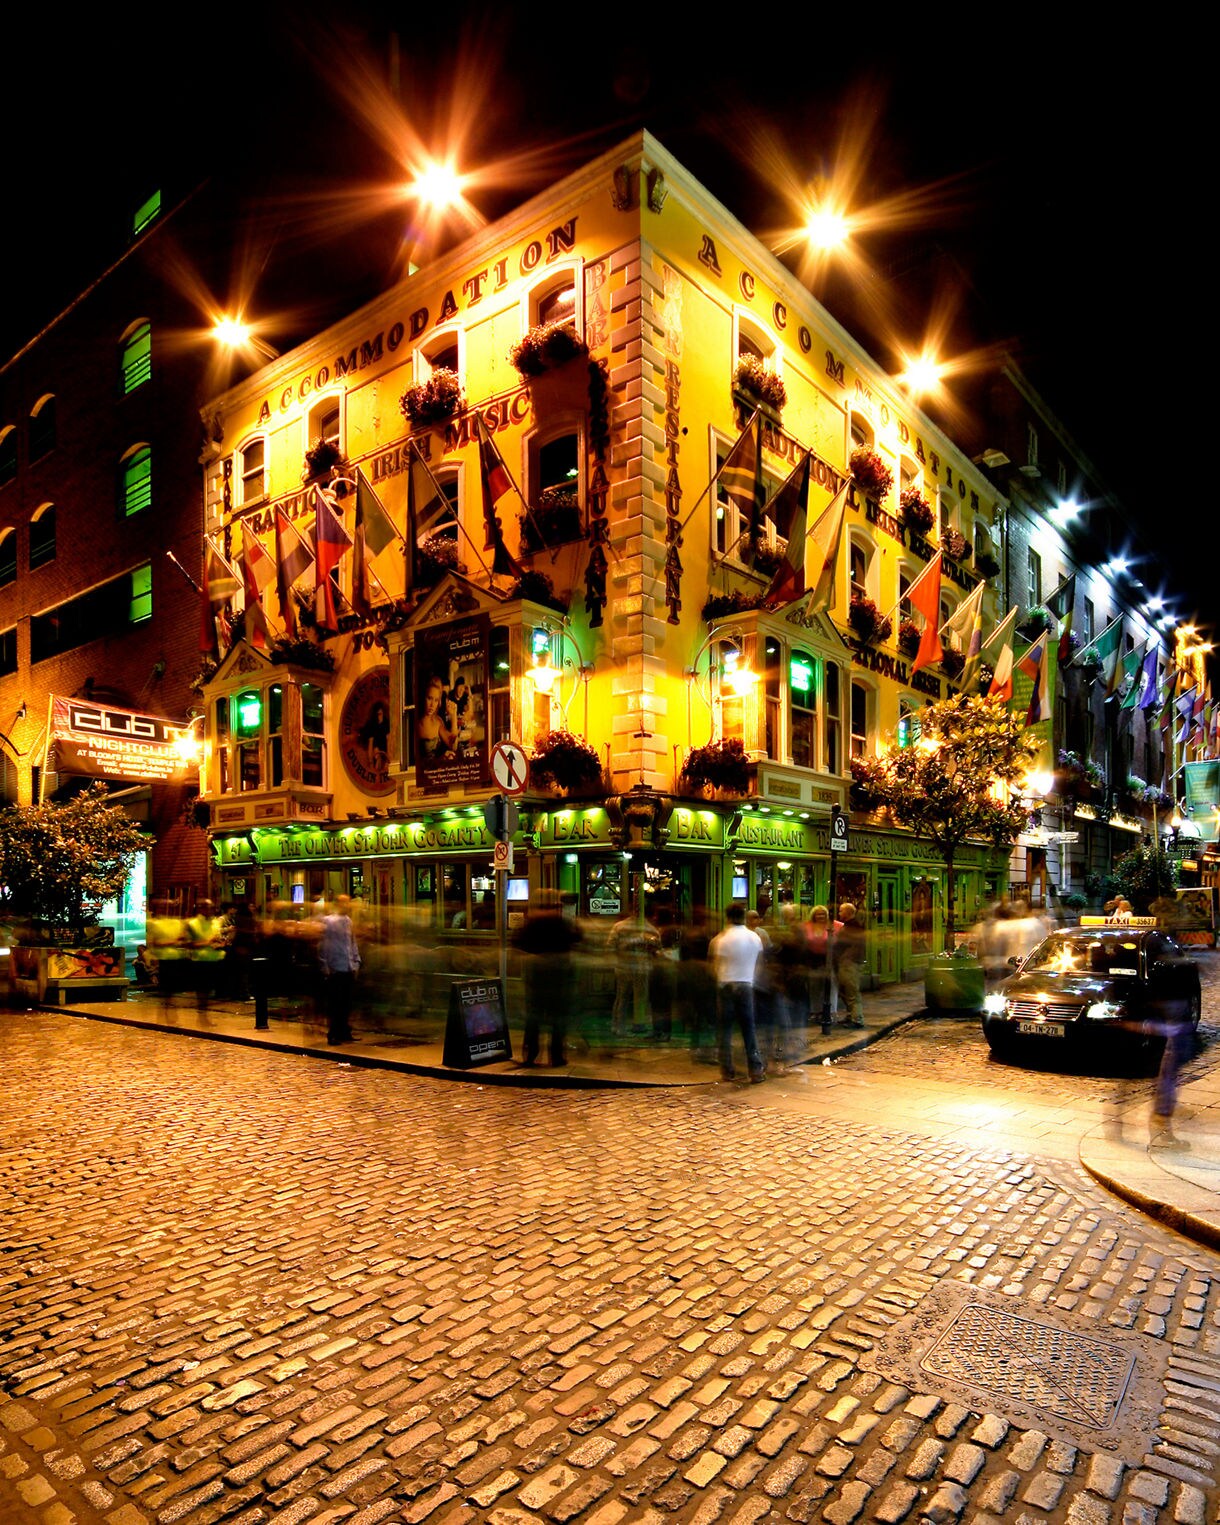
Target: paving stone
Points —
{"points": [[1043, 1491], [897, 1504], [1149, 1488], [1088, 1509], [947, 1503], [925, 1460], [1105, 1475]]}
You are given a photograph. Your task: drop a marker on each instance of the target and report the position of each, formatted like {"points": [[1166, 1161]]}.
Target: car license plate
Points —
{"points": [[1042, 1029]]}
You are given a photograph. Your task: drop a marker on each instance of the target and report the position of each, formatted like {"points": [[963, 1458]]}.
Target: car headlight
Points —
{"points": [[995, 1005], [1103, 1011]]}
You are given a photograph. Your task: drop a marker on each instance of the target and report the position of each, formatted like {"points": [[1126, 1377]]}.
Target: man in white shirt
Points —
{"points": [[734, 954]]}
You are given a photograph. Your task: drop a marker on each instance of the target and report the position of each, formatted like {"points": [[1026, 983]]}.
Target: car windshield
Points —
{"points": [[1107, 953]]}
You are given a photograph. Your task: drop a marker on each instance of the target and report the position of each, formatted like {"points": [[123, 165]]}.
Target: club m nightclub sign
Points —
{"points": [[101, 742], [372, 349]]}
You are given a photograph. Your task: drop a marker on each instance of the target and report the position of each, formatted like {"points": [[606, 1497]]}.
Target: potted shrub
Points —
{"points": [[546, 347], [908, 638], [868, 784], [303, 653], [760, 384], [539, 589], [719, 766], [438, 554], [1078, 778], [985, 563], [870, 472], [953, 543], [434, 401], [866, 619], [565, 763], [554, 519], [915, 511], [1036, 623]]}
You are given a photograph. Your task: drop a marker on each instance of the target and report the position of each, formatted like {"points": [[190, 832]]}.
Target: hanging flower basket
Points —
{"points": [[760, 383], [908, 638], [953, 543], [1036, 623], [434, 401], [915, 511], [323, 460], [555, 519], [985, 564], [868, 784], [952, 662], [720, 606], [438, 554], [539, 589], [719, 765], [870, 472], [867, 621], [564, 762], [767, 558], [302, 653], [1078, 778], [546, 347]]}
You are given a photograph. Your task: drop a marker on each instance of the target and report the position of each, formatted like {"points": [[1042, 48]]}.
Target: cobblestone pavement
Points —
{"points": [[238, 1285]]}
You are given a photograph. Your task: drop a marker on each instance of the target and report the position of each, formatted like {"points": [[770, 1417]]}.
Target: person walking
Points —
{"points": [[735, 953], [847, 958], [547, 938], [818, 935], [340, 960]]}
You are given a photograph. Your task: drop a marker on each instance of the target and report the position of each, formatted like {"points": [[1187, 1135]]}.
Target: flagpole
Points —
{"points": [[906, 596], [462, 530], [481, 429], [194, 585], [719, 469]]}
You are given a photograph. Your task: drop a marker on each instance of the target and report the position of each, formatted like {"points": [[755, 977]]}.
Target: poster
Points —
{"points": [[101, 741], [364, 732], [477, 1030], [451, 704]]}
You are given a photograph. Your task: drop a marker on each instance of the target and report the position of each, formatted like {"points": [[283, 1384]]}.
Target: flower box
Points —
{"points": [[434, 401], [870, 472]]}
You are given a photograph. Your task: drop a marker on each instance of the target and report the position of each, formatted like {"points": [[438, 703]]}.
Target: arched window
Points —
{"points": [[859, 562], [42, 427], [324, 422], [8, 453], [8, 557], [755, 341], [42, 536], [861, 706], [440, 351], [135, 481], [555, 300], [252, 466], [135, 356]]}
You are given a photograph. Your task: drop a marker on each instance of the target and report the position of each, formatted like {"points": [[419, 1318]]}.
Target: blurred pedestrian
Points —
{"points": [[205, 942], [994, 944], [847, 957], [735, 953], [818, 934], [696, 988], [634, 942], [339, 958], [791, 963], [546, 939]]}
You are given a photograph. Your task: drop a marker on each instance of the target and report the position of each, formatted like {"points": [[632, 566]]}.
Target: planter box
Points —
{"points": [[954, 984]]}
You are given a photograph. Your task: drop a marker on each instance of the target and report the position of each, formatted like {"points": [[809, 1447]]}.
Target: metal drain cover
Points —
{"points": [[1041, 1369], [1073, 1376]]}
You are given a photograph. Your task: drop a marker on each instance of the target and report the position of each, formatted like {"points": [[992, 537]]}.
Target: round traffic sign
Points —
{"points": [[509, 767]]}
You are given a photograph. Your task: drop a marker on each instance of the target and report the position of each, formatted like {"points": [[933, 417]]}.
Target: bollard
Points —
{"points": [[258, 981]]}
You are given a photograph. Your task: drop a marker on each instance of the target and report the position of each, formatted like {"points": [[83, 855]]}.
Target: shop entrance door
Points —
{"points": [[888, 941]]}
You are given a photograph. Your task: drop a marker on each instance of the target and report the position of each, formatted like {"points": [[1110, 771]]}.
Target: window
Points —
{"points": [[8, 557], [441, 352], [1090, 622], [313, 736], [732, 512], [834, 720], [559, 463], [253, 465], [8, 454], [859, 719], [135, 481], [555, 302], [324, 424], [1031, 447], [8, 651], [110, 609], [1035, 579], [135, 357], [42, 428], [42, 536], [247, 718], [145, 214], [498, 682], [908, 722], [904, 588], [802, 701], [753, 341]]}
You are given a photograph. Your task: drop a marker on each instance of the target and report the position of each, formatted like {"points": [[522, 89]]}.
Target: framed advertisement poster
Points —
{"points": [[451, 703]]}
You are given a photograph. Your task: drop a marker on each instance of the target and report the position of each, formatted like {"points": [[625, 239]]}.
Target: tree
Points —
{"points": [[60, 862], [1143, 875], [942, 786]]}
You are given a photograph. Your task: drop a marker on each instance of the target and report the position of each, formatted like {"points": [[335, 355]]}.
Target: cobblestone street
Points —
{"points": [[241, 1285]]}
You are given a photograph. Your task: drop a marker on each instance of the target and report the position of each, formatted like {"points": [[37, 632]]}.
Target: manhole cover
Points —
{"points": [[1042, 1369], [1072, 1376]]}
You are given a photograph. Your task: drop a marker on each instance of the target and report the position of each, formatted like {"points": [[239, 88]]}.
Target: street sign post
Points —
{"points": [[509, 767], [838, 831]]}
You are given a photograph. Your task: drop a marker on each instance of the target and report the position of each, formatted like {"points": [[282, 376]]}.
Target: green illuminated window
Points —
{"points": [[146, 214], [141, 607], [135, 358], [802, 703], [249, 709], [136, 481]]}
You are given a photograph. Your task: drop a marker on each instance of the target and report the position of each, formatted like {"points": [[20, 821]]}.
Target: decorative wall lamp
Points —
{"points": [[725, 647], [547, 674]]}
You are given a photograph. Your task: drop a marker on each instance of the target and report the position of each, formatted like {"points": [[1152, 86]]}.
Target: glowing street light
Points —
{"points": [[231, 332], [922, 374], [438, 186], [827, 229]]}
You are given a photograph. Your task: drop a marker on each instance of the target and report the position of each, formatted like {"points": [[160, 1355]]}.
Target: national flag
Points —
{"points": [[1034, 665], [741, 478], [1145, 690], [496, 483], [426, 505], [220, 582], [258, 573], [792, 502], [1061, 604], [827, 536], [962, 621], [374, 531], [293, 558], [924, 597], [1001, 683], [1003, 630], [974, 651], [1124, 670], [1184, 704], [331, 542]]}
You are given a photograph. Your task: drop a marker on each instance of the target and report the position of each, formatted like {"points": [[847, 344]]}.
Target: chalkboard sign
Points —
{"points": [[477, 1030]]}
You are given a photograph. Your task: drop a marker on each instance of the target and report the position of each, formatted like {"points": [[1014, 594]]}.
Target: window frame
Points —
{"points": [[42, 429], [244, 474], [135, 485], [40, 547], [135, 357], [8, 536]]}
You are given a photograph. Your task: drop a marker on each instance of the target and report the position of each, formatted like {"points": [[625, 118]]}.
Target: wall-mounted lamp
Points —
{"points": [[21, 711]]}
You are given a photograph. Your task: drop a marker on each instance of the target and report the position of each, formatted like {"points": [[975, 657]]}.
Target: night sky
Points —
{"points": [[1059, 213]]}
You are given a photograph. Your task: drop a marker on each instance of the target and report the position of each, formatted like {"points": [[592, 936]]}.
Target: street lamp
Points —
{"points": [[732, 670], [545, 674]]}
